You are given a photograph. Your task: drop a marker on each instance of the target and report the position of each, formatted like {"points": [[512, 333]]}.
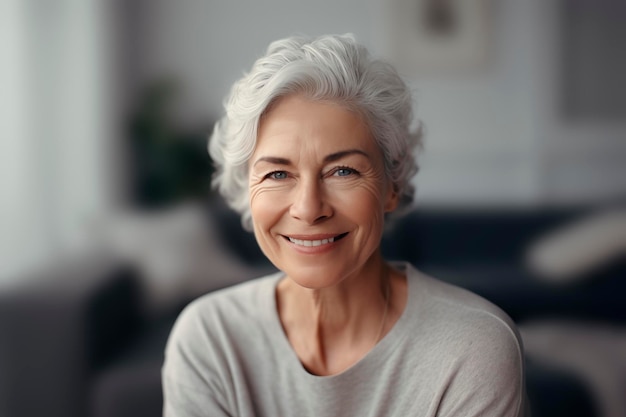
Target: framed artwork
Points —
{"points": [[438, 35]]}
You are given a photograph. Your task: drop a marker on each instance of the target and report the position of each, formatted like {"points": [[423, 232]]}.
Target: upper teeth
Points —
{"points": [[312, 242]]}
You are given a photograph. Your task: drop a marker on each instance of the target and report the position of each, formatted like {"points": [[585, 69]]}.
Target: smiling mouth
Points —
{"points": [[320, 242]]}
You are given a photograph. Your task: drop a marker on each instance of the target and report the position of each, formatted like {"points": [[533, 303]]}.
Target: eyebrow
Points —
{"points": [[342, 154], [328, 158], [273, 160]]}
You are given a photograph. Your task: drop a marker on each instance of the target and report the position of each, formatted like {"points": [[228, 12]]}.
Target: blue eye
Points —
{"points": [[277, 175], [344, 172]]}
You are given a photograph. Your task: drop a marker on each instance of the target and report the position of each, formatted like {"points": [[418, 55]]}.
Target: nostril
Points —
{"points": [[310, 210]]}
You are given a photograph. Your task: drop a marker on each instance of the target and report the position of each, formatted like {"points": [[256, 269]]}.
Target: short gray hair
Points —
{"points": [[330, 67]]}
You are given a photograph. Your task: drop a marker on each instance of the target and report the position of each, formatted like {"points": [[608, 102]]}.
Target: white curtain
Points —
{"points": [[56, 125]]}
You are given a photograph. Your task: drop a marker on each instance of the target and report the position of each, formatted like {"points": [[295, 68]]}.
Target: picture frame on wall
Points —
{"points": [[435, 36]]}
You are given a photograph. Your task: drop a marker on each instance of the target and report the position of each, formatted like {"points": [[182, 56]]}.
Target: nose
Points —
{"points": [[309, 203]]}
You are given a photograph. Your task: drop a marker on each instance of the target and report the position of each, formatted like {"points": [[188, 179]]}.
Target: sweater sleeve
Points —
{"points": [[191, 380], [487, 378], [184, 401]]}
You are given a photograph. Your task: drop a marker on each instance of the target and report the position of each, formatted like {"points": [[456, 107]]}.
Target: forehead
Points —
{"points": [[295, 122]]}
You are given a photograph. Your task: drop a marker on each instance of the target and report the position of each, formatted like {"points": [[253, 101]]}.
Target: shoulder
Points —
{"points": [[210, 327], [477, 341], [463, 322], [226, 307], [458, 307], [201, 355]]}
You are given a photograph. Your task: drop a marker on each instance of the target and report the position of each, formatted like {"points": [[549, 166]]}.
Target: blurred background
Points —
{"points": [[106, 107]]}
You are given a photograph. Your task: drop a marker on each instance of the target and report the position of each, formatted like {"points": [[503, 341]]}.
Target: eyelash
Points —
{"points": [[352, 171], [345, 168], [271, 175]]}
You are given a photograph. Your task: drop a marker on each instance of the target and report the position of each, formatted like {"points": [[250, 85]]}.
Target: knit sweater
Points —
{"points": [[451, 353]]}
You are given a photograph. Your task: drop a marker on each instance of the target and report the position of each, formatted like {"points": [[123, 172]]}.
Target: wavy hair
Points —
{"points": [[334, 68]]}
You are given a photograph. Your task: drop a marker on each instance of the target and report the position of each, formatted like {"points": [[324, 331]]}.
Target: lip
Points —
{"points": [[319, 236]]}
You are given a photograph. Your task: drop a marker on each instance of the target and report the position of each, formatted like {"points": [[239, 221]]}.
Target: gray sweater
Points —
{"points": [[451, 353]]}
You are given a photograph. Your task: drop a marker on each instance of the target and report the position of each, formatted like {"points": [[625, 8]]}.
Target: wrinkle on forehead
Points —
{"points": [[285, 117]]}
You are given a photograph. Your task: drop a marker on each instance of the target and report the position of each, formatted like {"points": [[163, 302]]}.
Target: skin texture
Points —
{"points": [[317, 174]]}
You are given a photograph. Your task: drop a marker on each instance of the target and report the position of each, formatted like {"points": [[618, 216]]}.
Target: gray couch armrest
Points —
{"points": [[56, 330]]}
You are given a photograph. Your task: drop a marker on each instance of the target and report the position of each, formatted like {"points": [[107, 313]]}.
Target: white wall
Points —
{"points": [[491, 138], [211, 43], [479, 147], [72, 69]]}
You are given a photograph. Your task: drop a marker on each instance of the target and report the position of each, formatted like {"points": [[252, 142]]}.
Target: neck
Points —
{"points": [[331, 328], [346, 302], [349, 301]]}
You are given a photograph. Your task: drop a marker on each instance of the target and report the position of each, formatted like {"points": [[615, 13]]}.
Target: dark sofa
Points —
{"points": [[78, 344]]}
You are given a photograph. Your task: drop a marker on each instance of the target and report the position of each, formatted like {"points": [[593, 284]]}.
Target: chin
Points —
{"points": [[316, 277]]}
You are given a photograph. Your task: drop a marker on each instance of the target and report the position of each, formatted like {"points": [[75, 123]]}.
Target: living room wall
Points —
{"points": [[74, 71], [494, 133]]}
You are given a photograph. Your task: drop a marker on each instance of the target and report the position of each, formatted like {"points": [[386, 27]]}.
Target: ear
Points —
{"points": [[392, 198]]}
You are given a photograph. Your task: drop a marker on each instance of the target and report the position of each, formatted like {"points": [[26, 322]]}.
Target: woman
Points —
{"points": [[315, 149]]}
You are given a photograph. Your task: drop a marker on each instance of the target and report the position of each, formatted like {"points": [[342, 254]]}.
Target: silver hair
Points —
{"points": [[331, 67]]}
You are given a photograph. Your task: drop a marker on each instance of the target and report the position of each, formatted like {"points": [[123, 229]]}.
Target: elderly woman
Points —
{"points": [[315, 149]]}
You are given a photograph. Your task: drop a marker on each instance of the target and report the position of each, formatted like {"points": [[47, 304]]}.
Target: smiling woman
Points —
{"points": [[332, 187], [315, 149]]}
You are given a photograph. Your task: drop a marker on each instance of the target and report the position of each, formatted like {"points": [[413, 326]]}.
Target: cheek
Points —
{"points": [[264, 217], [259, 207], [265, 207], [363, 203]]}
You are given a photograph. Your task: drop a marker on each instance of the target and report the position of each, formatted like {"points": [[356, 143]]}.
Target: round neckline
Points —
{"points": [[391, 339]]}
